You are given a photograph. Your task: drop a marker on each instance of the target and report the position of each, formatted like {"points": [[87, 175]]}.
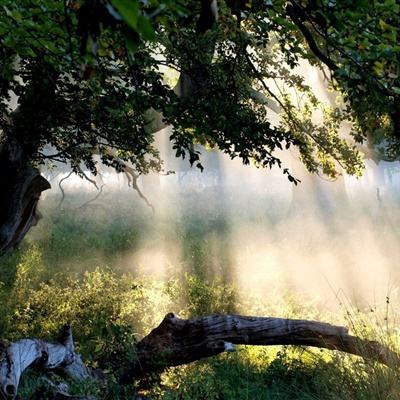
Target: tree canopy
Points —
{"points": [[90, 78]]}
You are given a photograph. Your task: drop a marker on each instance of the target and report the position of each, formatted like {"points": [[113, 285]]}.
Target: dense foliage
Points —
{"points": [[89, 74]]}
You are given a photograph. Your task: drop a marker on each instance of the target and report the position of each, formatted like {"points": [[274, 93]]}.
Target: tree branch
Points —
{"points": [[290, 9], [62, 189]]}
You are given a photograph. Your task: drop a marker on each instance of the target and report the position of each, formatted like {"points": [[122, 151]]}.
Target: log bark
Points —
{"points": [[178, 341]]}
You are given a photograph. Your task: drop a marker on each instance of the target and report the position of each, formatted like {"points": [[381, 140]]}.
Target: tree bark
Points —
{"points": [[21, 186]]}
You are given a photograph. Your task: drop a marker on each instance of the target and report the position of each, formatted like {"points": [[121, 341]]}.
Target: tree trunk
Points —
{"points": [[21, 186], [315, 196]]}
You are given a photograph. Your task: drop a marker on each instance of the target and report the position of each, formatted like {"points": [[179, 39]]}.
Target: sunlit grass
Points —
{"points": [[109, 312]]}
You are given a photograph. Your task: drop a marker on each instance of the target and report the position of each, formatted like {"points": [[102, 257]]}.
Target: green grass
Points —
{"points": [[72, 269]]}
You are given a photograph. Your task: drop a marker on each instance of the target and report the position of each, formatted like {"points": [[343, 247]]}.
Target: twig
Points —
{"points": [[94, 198]]}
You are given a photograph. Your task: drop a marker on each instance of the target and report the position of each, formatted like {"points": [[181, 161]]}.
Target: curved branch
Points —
{"points": [[291, 10], [92, 181], [84, 176], [94, 198], [61, 188], [132, 181], [130, 174]]}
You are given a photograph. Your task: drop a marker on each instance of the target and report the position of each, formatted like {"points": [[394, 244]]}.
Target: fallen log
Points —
{"points": [[178, 341]]}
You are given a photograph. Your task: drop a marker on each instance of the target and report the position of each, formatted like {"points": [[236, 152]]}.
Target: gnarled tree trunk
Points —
{"points": [[21, 186]]}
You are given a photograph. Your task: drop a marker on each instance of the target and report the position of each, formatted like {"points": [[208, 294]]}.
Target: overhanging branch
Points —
{"points": [[290, 9]]}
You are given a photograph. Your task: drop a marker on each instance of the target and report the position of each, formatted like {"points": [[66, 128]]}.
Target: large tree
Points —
{"points": [[88, 77]]}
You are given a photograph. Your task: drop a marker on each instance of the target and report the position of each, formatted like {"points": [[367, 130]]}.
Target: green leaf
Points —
{"points": [[16, 15], [144, 28], [129, 10], [384, 26], [132, 41]]}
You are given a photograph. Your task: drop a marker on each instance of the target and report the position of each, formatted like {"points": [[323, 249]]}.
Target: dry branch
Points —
{"points": [[178, 341], [62, 189], [61, 356], [131, 175]]}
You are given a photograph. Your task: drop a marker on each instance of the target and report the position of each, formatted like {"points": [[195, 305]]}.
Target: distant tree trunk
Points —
{"points": [[317, 196], [21, 186], [376, 174]]}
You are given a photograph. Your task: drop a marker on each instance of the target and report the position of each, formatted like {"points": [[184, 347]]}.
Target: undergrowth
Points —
{"points": [[70, 271]]}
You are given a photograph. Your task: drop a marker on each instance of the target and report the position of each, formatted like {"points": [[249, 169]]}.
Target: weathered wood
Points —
{"points": [[177, 341], [20, 355]]}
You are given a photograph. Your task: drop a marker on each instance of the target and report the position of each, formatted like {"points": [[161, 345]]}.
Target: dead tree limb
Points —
{"points": [[132, 181], [131, 175], [61, 356], [85, 176], [178, 341], [86, 203]]}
